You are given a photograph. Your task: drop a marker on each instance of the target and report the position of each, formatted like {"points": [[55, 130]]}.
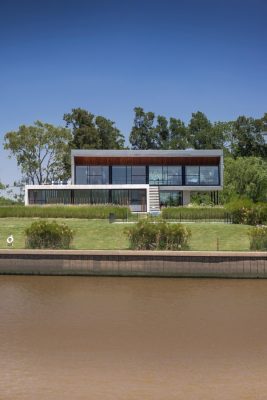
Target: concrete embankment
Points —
{"points": [[135, 263]]}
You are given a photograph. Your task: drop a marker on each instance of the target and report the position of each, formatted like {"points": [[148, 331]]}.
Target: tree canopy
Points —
{"points": [[92, 132], [39, 151], [245, 177], [143, 135]]}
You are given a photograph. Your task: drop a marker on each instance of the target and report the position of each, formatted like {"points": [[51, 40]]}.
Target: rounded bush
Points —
{"points": [[149, 235], [48, 235]]}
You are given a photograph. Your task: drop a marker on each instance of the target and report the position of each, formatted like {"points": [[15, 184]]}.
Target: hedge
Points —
{"points": [[90, 212], [196, 214]]}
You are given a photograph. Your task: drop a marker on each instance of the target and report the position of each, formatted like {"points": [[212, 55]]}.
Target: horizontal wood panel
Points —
{"points": [[147, 160]]}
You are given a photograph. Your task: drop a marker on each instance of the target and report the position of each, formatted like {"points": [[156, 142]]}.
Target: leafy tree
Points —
{"points": [[202, 134], [110, 136], [90, 132], [247, 139], [162, 133], [178, 134], [245, 177], [39, 151], [143, 135], [84, 131], [200, 131]]}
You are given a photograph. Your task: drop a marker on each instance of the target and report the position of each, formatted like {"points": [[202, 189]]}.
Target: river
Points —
{"points": [[80, 338]]}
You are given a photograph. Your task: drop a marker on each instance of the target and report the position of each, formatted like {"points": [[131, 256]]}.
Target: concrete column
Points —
{"points": [[26, 196], [186, 197]]}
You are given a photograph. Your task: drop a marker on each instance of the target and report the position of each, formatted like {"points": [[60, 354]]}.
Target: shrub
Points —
{"points": [[149, 235], [258, 238], [48, 235], [244, 211], [82, 211], [194, 213]]}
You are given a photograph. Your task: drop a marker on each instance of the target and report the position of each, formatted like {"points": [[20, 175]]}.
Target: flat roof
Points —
{"points": [[147, 153]]}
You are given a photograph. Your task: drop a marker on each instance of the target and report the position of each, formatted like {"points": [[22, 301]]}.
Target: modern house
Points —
{"points": [[142, 179]]}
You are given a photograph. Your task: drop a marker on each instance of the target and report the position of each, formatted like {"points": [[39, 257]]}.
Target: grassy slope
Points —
{"points": [[99, 234]]}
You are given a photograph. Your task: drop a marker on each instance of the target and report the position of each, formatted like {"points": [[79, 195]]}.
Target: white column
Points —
{"points": [[186, 197], [26, 196]]}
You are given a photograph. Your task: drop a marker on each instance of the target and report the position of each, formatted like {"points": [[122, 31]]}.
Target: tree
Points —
{"points": [[143, 135], [90, 132], [205, 135], [178, 134], [245, 177], [39, 150], [247, 139], [110, 136], [200, 131], [162, 133]]}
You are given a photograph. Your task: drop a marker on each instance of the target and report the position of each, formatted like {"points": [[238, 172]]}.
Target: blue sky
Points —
{"points": [[170, 57]]}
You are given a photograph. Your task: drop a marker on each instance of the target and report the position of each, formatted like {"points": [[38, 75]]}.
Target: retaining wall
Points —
{"points": [[135, 263]]}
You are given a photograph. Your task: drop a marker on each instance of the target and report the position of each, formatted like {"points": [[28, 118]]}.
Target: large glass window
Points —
{"points": [[136, 199], [165, 175], [138, 174], [98, 175], [155, 175], [50, 196], [128, 174], [174, 175], [170, 198], [202, 175], [192, 175], [119, 175], [90, 196], [92, 175], [81, 175], [209, 175]]}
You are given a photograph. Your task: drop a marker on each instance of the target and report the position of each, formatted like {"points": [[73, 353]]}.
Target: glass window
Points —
{"points": [[92, 175], [91, 196], [81, 175], [209, 175], [170, 198], [120, 196], [98, 175], [138, 200], [192, 175], [165, 175], [138, 174], [155, 175], [119, 174], [174, 175]]}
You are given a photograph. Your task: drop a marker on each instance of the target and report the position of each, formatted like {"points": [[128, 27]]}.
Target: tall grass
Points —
{"points": [[196, 214], [89, 212]]}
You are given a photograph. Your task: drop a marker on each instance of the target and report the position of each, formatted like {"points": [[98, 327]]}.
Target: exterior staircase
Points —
{"points": [[154, 199]]}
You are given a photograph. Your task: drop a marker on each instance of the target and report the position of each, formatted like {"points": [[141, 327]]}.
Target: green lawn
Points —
{"points": [[99, 234]]}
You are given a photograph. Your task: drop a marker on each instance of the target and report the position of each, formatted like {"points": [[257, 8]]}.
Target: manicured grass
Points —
{"points": [[100, 234], [207, 236]]}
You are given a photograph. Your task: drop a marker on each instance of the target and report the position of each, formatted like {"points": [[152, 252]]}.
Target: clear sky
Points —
{"points": [[173, 57]]}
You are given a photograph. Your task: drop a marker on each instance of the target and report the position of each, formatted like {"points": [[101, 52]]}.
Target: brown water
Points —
{"points": [[118, 338]]}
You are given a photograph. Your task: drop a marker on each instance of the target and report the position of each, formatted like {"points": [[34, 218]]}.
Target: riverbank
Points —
{"points": [[135, 263]]}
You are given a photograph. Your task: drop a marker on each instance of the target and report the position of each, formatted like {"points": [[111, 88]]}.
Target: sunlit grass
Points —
{"points": [[100, 234]]}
